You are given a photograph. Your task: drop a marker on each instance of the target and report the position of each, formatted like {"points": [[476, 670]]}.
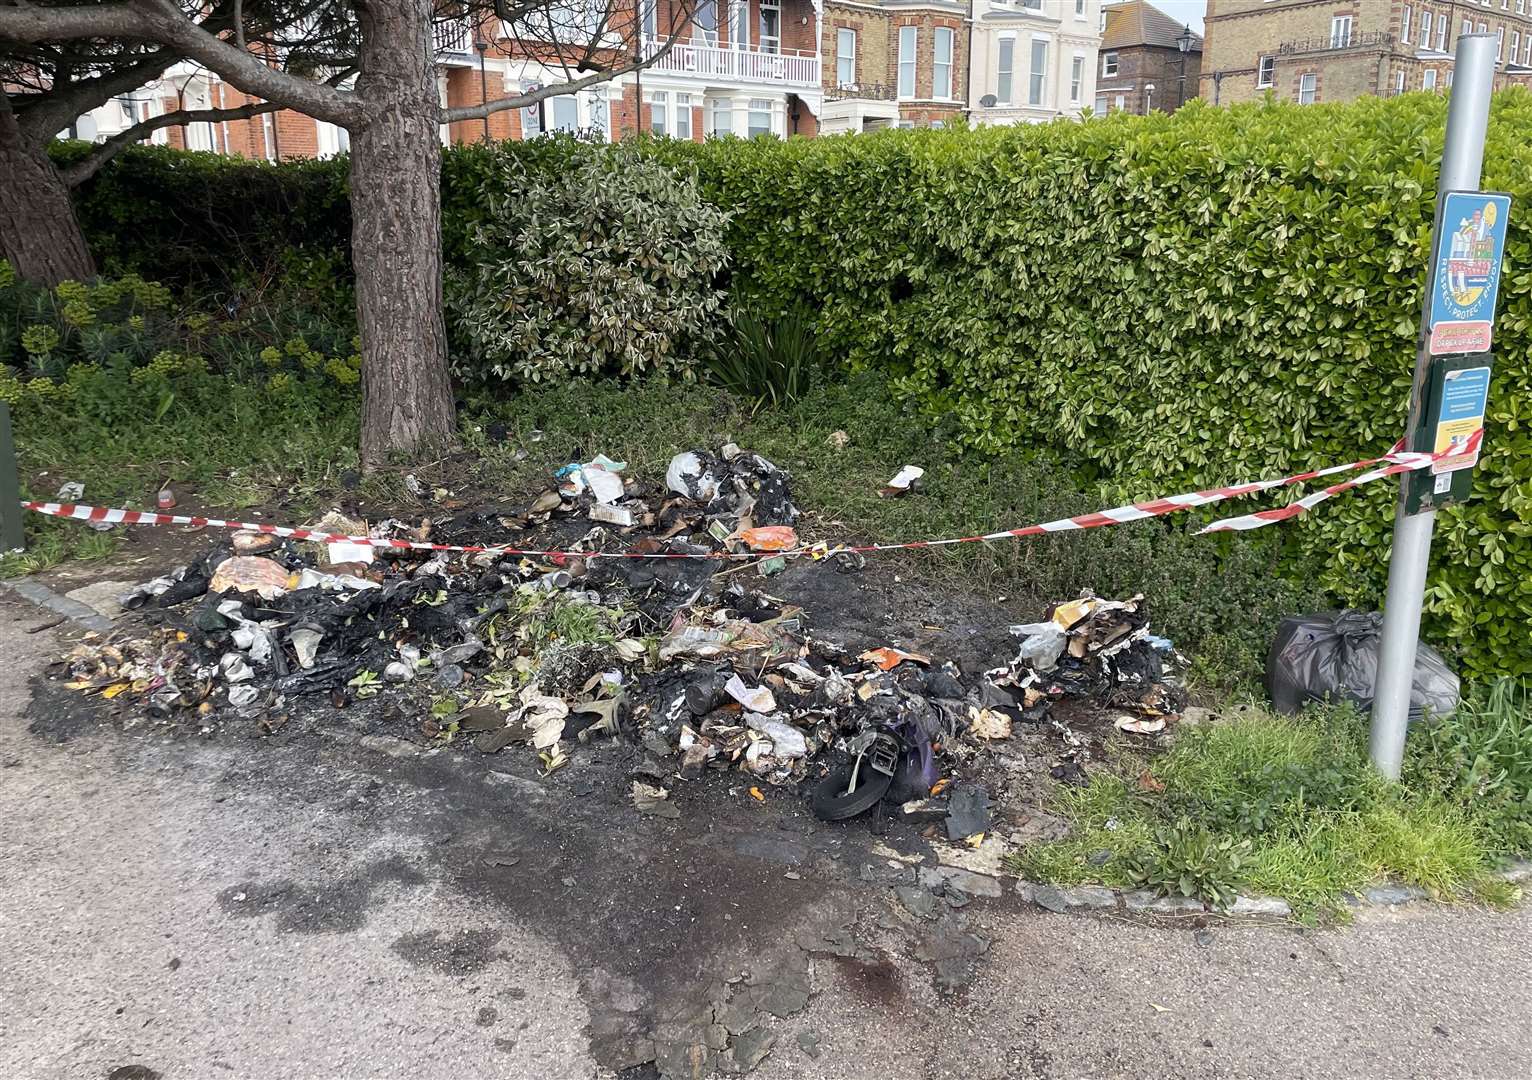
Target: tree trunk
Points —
{"points": [[396, 236], [39, 233]]}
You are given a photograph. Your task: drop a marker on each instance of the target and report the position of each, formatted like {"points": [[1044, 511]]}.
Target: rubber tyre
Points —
{"points": [[831, 803]]}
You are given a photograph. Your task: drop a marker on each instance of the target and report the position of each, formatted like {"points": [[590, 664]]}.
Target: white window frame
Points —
{"points": [[1099, 107], [331, 139], [1037, 81], [1515, 45], [659, 112], [562, 103], [941, 71], [721, 108], [739, 25], [1499, 44], [1425, 28], [771, 43], [683, 110], [649, 12], [1076, 78], [702, 33], [1442, 29], [845, 58], [1308, 84], [1265, 71], [1110, 65], [1521, 7], [1080, 12], [909, 50], [1404, 24], [1340, 32], [751, 112], [1005, 68], [1428, 79], [1399, 82]]}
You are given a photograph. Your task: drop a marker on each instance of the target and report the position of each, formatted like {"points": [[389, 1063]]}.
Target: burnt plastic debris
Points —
{"points": [[1088, 648], [1335, 657], [967, 811], [687, 662]]}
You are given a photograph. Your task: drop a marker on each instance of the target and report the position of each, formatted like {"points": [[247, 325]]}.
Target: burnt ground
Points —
{"points": [[695, 936]]}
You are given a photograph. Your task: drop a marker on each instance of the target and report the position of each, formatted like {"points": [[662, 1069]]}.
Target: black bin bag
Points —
{"points": [[1335, 657]]}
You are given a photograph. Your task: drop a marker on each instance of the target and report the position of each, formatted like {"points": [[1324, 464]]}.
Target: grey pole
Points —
{"points": [[10, 487], [1462, 159]]}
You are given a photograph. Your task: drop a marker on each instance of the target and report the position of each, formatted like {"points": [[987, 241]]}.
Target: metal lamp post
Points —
{"points": [[481, 47], [1184, 43]]}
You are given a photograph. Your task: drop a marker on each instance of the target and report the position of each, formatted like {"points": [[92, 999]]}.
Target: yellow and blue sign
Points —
{"points": [[1466, 279]]}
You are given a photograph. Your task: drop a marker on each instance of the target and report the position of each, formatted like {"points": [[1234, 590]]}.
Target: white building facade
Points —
{"points": [[1033, 60]]}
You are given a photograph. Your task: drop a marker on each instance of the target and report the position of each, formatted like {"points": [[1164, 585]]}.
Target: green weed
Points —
{"points": [[1480, 759]]}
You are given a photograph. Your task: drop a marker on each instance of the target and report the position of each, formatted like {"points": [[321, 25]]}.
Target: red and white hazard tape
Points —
{"points": [[1393, 463]]}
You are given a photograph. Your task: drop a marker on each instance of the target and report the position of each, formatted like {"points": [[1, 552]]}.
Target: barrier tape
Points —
{"points": [[1397, 462]]}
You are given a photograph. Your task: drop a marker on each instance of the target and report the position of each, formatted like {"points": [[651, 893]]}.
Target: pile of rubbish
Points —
{"points": [[679, 657]]}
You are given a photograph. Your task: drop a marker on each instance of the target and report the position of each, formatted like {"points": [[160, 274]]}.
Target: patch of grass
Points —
{"points": [[1286, 806], [227, 442]]}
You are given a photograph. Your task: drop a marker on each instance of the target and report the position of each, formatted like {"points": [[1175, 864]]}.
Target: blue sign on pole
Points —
{"points": [[1466, 278]]}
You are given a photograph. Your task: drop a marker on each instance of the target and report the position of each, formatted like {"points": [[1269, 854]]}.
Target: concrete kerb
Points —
{"points": [[82, 615], [1094, 899]]}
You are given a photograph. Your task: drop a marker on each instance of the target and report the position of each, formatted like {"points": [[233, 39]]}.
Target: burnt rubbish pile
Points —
{"points": [[692, 659]]}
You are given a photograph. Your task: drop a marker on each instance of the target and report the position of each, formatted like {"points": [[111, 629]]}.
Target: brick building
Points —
{"points": [[742, 67], [1034, 60], [891, 63], [1143, 63], [1338, 50]]}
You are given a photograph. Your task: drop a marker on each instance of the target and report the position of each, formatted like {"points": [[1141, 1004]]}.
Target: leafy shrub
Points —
{"points": [[606, 267], [767, 361], [117, 349]]}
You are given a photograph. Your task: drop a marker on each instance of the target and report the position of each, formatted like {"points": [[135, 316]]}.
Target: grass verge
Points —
{"points": [[1290, 807]]}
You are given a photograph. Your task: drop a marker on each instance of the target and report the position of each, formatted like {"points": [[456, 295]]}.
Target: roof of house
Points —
{"points": [[1139, 23]]}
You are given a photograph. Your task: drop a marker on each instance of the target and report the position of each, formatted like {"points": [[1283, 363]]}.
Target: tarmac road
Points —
{"points": [[188, 909]]}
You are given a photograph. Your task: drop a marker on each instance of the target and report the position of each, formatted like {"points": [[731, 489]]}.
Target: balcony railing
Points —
{"points": [[861, 92], [744, 65], [1372, 39], [453, 36]]}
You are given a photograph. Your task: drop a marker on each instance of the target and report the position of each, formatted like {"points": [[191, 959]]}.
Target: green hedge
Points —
{"points": [[1178, 300], [208, 221]]}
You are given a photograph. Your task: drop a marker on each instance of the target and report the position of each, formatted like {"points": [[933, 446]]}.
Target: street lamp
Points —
{"points": [[482, 47], [1184, 43], [1148, 98]]}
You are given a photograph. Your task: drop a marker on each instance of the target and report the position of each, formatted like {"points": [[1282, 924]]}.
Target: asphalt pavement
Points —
{"points": [[203, 908]]}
